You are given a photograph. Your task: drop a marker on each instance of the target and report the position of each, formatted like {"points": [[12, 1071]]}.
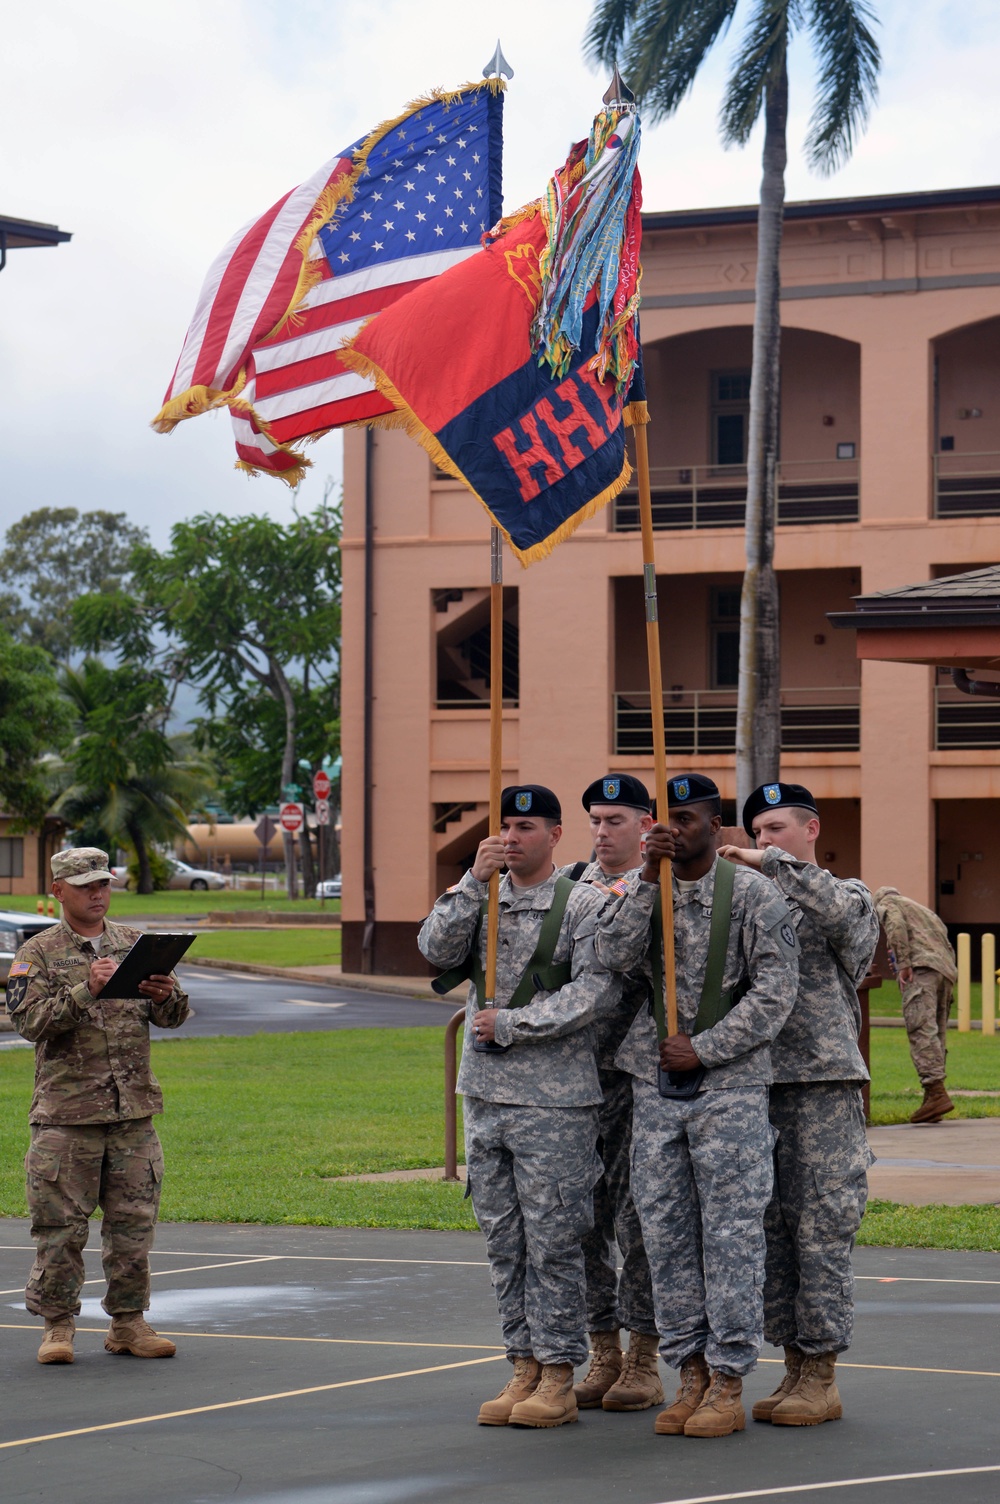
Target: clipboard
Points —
{"points": [[153, 954]]}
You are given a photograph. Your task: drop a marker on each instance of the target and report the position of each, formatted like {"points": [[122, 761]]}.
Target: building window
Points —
{"points": [[462, 627], [730, 417], [724, 635], [11, 856]]}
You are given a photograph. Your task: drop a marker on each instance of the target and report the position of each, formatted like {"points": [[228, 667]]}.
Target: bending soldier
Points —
{"points": [[531, 1092], [92, 1137], [924, 965], [701, 1158], [822, 1155], [619, 811]]}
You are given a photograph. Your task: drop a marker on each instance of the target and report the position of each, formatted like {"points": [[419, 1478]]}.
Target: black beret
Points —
{"points": [[776, 796], [617, 788], [530, 799], [692, 788]]}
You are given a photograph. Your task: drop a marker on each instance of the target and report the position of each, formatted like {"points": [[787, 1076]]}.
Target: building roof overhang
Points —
{"points": [[952, 622], [828, 208], [20, 233]]}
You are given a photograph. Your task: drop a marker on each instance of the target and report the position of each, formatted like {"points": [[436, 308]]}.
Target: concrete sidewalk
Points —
{"points": [[333, 976], [952, 1163]]}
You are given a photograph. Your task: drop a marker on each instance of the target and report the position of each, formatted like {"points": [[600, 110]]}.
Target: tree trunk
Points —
{"points": [[308, 871], [758, 713], [145, 882]]}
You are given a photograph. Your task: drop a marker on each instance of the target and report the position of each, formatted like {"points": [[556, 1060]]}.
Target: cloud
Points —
{"points": [[154, 132]]}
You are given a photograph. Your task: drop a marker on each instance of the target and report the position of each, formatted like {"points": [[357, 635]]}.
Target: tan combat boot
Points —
{"points": [[606, 1360], [693, 1386], [639, 1385], [132, 1333], [57, 1344], [793, 1364], [721, 1411], [553, 1402], [935, 1104], [815, 1397], [527, 1372]]}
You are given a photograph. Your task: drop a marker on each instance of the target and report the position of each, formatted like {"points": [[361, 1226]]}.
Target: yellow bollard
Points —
{"points": [[989, 984], [964, 949]]}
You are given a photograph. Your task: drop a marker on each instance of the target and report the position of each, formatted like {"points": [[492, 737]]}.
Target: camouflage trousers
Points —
{"points": [[532, 1172], [701, 1179], [820, 1191], [70, 1172], [616, 1300], [926, 1005]]}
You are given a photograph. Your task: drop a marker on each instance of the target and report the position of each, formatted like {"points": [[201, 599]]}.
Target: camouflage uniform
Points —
{"points": [[701, 1169], [92, 1136], [531, 1114], [616, 1300], [822, 1154], [918, 938]]}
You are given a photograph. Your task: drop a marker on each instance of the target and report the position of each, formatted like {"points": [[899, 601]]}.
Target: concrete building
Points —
{"points": [[889, 473]]}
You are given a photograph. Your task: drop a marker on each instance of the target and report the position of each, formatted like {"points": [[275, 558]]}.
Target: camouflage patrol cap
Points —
{"points": [[80, 865]]}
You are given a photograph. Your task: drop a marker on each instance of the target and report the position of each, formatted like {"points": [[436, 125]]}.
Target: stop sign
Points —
{"points": [[291, 817], [321, 784]]}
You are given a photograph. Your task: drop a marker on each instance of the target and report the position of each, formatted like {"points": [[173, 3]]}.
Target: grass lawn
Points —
{"points": [[316, 946], [255, 1127], [173, 903], [885, 1001]]}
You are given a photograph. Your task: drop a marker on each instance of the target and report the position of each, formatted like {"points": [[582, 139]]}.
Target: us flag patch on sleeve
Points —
{"points": [[20, 969]]}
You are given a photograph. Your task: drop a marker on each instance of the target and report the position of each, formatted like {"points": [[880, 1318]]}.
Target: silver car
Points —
{"points": [[181, 876]]}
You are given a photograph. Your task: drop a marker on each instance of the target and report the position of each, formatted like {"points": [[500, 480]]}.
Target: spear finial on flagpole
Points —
{"points": [[498, 66], [619, 93]]}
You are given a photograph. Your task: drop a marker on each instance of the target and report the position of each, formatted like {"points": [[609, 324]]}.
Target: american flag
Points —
{"points": [[395, 209]]}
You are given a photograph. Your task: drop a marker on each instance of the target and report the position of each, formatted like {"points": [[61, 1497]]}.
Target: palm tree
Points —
{"points": [[122, 777], [660, 45]]}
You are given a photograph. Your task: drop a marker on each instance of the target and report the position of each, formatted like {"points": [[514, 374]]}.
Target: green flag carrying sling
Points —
{"points": [[714, 1003], [541, 974]]}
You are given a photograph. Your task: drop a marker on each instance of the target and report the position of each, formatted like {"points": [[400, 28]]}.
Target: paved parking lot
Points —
{"points": [[344, 1366]]}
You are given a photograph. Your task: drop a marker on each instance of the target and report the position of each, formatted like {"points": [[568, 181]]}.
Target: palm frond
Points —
{"points": [[847, 87], [659, 45], [758, 65]]}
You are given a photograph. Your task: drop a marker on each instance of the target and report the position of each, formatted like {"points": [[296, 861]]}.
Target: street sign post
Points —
{"points": [[291, 817], [321, 784], [322, 811], [264, 830]]}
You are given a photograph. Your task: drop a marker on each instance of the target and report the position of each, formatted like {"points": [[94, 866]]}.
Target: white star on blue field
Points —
{"points": [[424, 188]]}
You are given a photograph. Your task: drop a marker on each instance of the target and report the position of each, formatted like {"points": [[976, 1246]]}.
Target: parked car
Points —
{"points": [[181, 876], [330, 888], [15, 928]]}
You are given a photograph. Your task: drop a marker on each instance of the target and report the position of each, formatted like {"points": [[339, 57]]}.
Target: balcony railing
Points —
{"points": [[703, 721], [700, 496], [963, 722], [967, 485]]}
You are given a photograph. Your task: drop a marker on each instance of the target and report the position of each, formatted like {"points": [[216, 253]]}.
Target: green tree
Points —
{"points": [[253, 608], [50, 558], [121, 777], [34, 722], [660, 46]]}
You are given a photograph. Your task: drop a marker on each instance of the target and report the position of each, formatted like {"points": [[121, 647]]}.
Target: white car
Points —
{"points": [[329, 889], [181, 876]]}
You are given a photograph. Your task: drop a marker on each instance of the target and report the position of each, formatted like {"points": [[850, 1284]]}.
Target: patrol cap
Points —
{"points": [[693, 788], [530, 799], [80, 865], [776, 796], [617, 788]]}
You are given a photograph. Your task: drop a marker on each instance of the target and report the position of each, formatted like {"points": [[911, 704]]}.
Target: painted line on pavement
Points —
{"points": [[100, 1331], [306, 1002], [808, 1488], [258, 1399]]}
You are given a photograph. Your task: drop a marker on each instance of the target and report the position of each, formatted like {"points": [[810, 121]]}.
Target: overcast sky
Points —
{"points": [[153, 132]]}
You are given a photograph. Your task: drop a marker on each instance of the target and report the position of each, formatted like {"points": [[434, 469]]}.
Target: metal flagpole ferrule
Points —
{"points": [[649, 591]]}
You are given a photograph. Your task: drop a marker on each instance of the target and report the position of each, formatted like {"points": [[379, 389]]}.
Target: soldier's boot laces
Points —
{"points": [[815, 1397], [57, 1344], [606, 1359], [721, 1411], [793, 1364], [553, 1402], [935, 1104], [692, 1390], [639, 1385], [527, 1372], [133, 1334]]}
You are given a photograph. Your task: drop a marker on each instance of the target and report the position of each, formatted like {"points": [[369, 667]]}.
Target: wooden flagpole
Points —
{"points": [[656, 716], [496, 751]]}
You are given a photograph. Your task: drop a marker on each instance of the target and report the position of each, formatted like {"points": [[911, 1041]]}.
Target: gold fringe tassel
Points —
{"points": [[636, 414], [201, 399], [405, 418]]}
